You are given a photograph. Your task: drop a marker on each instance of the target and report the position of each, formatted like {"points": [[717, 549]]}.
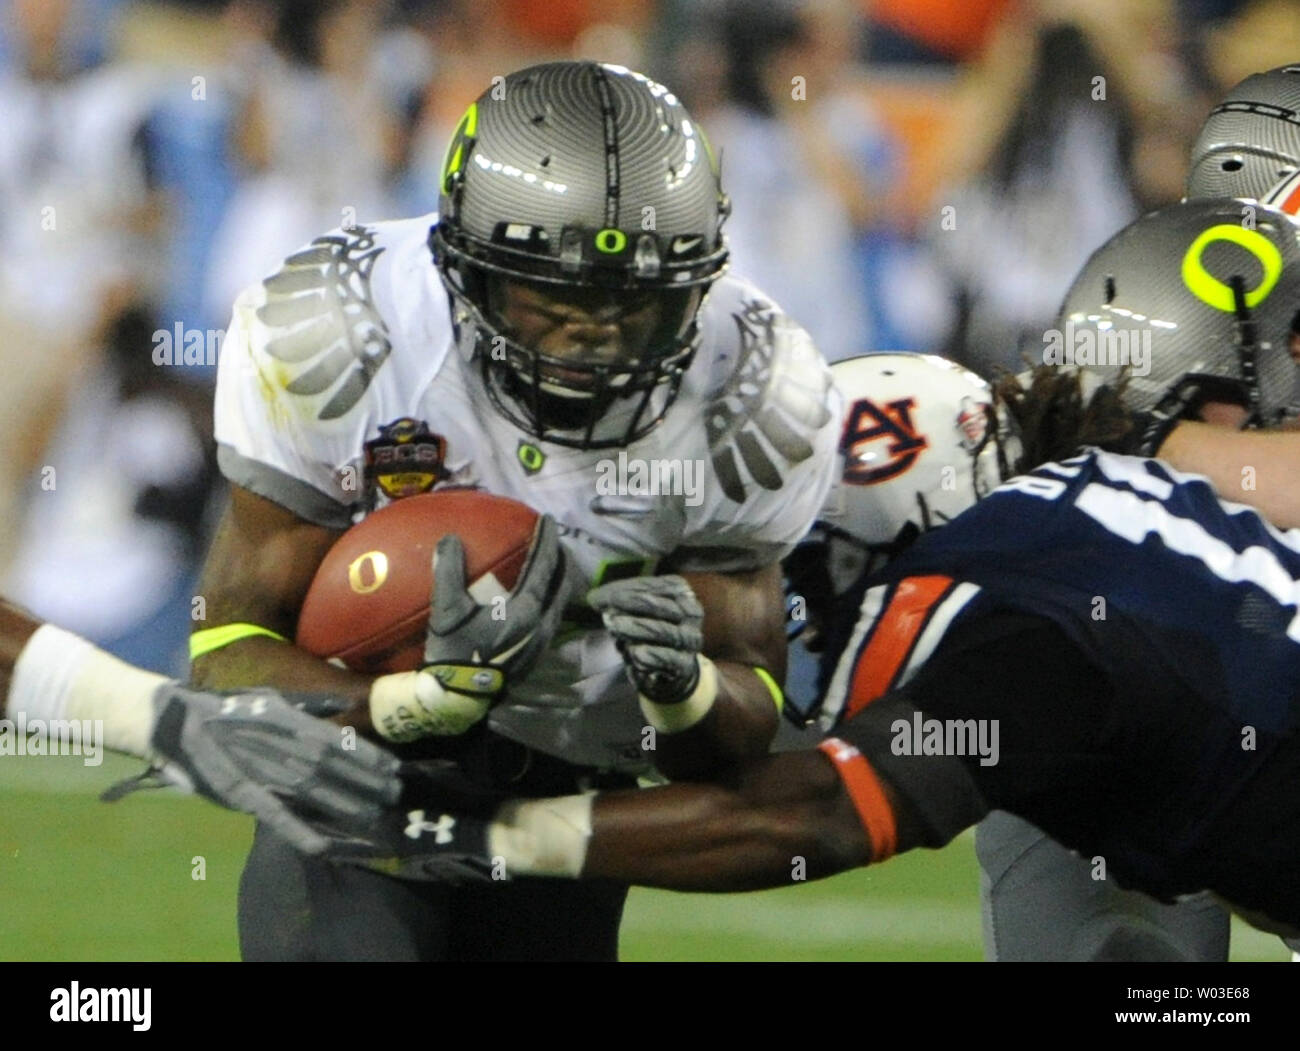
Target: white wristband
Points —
{"points": [[674, 718], [406, 706], [61, 676], [542, 837]]}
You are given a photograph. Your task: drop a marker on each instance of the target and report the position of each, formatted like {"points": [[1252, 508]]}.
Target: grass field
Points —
{"points": [[83, 880]]}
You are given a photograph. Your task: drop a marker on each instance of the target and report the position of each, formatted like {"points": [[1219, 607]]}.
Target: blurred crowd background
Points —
{"points": [[905, 174]]}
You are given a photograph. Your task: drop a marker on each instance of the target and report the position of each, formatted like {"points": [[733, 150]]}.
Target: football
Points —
{"points": [[368, 604]]}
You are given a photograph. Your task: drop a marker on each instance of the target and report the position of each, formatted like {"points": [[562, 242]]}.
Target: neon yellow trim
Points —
{"points": [[210, 639], [708, 149], [466, 129], [778, 698], [611, 569], [1218, 294]]}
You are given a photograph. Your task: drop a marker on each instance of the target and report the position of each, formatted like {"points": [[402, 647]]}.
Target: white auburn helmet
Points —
{"points": [[919, 447]]}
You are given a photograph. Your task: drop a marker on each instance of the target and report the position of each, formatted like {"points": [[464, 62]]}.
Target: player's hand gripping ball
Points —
{"points": [[454, 594], [477, 648]]}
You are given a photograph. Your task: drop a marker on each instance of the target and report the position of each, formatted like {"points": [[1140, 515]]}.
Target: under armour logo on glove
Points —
{"points": [[441, 829]]}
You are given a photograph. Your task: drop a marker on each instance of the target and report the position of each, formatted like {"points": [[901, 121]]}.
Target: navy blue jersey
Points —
{"points": [[1160, 750]]}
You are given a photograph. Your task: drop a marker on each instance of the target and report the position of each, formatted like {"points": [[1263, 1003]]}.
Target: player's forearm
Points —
{"points": [[786, 819], [1258, 468], [263, 661], [738, 729], [49, 677], [398, 707], [744, 643]]}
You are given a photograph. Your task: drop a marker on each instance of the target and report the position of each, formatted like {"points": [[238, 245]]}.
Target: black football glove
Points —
{"points": [[438, 831]]}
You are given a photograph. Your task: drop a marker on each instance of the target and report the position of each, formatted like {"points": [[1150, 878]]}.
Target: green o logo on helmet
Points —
{"points": [[611, 241], [1218, 294]]}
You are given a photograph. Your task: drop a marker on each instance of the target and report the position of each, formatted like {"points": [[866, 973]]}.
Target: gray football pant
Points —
{"points": [[1040, 902], [296, 908]]}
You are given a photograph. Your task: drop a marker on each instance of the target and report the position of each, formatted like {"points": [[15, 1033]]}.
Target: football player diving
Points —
{"points": [[1100, 646], [566, 309], [1040, 901], [256, 751]]}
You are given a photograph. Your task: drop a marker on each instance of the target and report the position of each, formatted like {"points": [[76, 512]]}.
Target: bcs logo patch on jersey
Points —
{"points": [[879, 442], [405, 459]]}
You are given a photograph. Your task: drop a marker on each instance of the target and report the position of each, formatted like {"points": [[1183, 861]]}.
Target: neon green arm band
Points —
{"points": [[210, 639], [778, 698]]}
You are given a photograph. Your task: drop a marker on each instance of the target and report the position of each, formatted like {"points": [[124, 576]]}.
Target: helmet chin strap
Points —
{"points": [[1247, 348], [1184, 399]]}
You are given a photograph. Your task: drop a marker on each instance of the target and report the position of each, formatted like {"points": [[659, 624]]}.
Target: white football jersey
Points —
{"points": [[354, 334]]}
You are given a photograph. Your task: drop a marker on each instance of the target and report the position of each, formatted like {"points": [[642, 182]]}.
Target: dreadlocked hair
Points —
{"points": [[1053, 418]]}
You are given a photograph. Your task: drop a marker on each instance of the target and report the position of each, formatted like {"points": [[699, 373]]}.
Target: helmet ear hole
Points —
{"points": [[1232, 164]]}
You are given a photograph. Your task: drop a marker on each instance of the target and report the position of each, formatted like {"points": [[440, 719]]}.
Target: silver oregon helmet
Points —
{"points": [[1251, 140], [1200, 293], [589, 185]]}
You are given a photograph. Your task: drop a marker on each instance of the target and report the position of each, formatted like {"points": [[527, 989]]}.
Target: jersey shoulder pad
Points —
{"points": [[323, 326], [769, 395]]}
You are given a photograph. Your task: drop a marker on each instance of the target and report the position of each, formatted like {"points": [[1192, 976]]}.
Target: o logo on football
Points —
{"points": [[378, 563]]}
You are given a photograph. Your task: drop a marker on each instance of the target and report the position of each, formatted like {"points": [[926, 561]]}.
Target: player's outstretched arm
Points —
{"points": [[706, 652], [257, 752], [48, 673], [788, 817], [799, 815], [1259, 468]]}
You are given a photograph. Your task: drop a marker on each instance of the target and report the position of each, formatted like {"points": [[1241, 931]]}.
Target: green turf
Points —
{"points": [[83, 880]]}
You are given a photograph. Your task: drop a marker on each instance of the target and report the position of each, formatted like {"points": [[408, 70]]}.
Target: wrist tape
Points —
{"points": [[409, 705], [675, 718]]}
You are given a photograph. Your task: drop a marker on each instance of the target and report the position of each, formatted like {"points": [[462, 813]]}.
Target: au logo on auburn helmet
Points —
{"points": [[879, 442]]}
